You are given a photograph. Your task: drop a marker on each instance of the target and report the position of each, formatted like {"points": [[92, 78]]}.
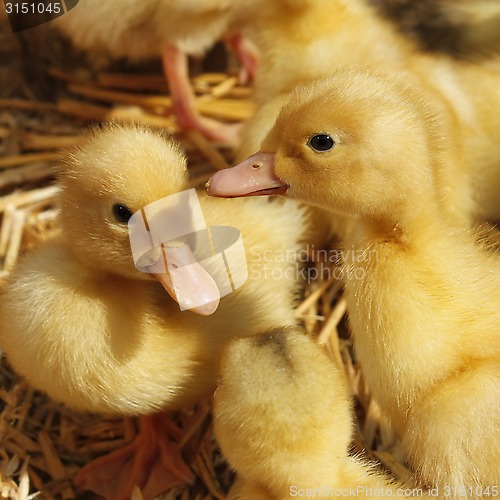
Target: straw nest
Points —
{"points": [[47, 97]]}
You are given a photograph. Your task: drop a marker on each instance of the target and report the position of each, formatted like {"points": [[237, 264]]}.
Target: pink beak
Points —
{"points": [[186, 281], [252, 177]]}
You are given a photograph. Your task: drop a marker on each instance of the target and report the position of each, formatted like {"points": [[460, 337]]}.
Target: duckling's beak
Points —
{"points": [[252, 177], [186, 281]]}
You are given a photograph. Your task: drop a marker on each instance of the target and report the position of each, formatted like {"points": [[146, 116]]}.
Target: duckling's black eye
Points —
{"points": [[121, 213], [321, 142]]}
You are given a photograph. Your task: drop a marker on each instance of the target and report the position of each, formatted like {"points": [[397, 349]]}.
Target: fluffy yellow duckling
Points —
{"points": [[165, 28], [81, 323], [422, 296], [284, 422], [314, 37]]}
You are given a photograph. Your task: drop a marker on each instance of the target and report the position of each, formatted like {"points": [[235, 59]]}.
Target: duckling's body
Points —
{"points": [[422, 295], [136, 30], [426, 332], [81, 323], [314, 37], [299, 444], [303, 40]]}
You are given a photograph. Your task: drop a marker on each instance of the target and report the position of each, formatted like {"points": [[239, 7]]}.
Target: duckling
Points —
{"points": [[284, 421], [166, 28], [80, 322], [314, 37], [422, 295]]}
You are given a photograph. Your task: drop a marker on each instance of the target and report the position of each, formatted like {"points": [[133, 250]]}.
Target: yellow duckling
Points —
{"points": [[284, 422], [80, 322], [166, 29], [422, 296]]}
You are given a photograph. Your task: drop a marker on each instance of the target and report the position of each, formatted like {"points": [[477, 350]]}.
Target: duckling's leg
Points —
{"points": [[247, 54], [453, 433], [282, 417], [175, 66], [152, 462]]}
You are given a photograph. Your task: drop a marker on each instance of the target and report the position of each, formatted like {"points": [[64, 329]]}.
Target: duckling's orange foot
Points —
{"points": [[152, 462]]}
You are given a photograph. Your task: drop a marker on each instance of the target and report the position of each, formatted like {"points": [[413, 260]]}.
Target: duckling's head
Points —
{"points": [[357, 143], [115, 172]]}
